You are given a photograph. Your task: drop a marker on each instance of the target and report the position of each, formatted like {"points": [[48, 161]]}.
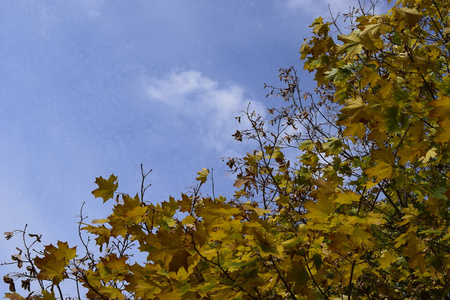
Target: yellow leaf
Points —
{"points": [[114, 263], [356, 270], [374, 219], [54, 262], [348, 197], [355, 129], [182, 274], [100, 221], [202, 175], [413, 251], [103, 233], [351, 46], [48, 296], [51, 268], [441, 108], [261, 211], [321, 209], [381, 171], [267, 250], [136, 212], [282, 199], [384, 160], [369, 76], [441, 112], [185, 203], [106, 188], [443, 135], [188, 220], [228, 210], [386, 259], [111, 292], [353, 105], [357, 234], [371, 29], [409, 153], [430, 154], [385, 88], [369, 184], [410, 15]]}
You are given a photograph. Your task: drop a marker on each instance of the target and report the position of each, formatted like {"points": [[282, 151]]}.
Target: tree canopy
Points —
{"points": [[346, 195]]}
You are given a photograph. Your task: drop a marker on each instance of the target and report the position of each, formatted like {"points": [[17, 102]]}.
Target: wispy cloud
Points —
{"points": [[211, 105]]}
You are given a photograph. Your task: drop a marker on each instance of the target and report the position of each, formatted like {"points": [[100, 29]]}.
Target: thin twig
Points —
{"points": [[282, 278], [350, 282]]}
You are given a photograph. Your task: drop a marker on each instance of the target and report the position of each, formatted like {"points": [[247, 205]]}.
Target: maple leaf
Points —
{"points": [[441, 111], [202, 175], [48, 295], [111, 292], [413, 251], [321, 209], [352, 45], [358, 234], [384, 159], [51, 268], [54, 262], [106, 188], [173, 295], [387, 259], [347, 198], [333, 145], [114, 263]]}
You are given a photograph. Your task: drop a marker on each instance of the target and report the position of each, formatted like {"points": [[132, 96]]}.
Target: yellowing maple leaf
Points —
{"points": [[202, 175], [348, 197], [106, 188], [386, 259], [114, 263], [384, 160], [321, 209], [413, 251], [352, 45], [357, 234]]}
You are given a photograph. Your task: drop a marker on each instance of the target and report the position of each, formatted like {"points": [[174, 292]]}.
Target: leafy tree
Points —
{"points": [[346, 196]]}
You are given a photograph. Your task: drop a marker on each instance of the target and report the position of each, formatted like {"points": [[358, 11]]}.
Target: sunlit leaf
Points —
{"points": [[202, 175], [106, 188]]}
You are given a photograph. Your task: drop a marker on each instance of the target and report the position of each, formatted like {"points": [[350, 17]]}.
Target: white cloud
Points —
{"points": [[174, 89], [205, 101]]}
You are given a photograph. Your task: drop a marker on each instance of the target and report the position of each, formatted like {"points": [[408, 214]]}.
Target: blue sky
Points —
{"points": [[93, 87]]}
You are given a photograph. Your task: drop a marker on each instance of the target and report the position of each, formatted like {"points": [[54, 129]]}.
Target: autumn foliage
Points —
{"points": [[346, 196]]}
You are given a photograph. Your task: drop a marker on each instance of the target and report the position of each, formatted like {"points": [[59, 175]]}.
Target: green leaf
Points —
{"points": [[333, 146]]}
